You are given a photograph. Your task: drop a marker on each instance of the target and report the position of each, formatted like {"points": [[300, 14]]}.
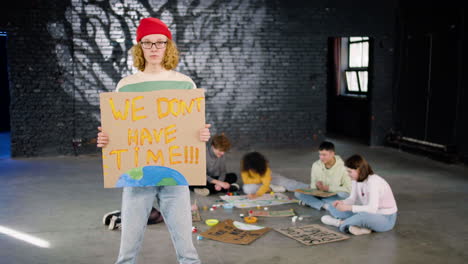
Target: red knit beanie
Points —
{"points": [[150, 26]]}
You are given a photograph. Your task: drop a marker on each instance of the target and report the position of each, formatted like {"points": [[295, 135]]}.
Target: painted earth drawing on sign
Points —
{"points": [[151, 176]]}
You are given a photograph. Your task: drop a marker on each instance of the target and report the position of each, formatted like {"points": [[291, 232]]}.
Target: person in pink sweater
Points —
{"points": [[371, 205]]}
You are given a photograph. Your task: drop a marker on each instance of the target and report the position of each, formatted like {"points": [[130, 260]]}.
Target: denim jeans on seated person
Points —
{"points": [[279, 180], [375, 222], [318, 202]]}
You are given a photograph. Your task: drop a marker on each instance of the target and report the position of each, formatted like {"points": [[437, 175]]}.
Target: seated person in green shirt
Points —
{"points": [[328, 174]]}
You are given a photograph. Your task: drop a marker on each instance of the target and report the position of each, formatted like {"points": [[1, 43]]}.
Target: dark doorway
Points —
{"points": [[348, 84], [5, 149], [429, 93]]}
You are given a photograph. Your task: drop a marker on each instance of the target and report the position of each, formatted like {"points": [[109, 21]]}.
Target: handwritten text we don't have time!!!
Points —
{"points": [[151, 144]]}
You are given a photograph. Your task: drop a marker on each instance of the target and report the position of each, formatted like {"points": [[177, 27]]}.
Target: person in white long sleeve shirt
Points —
{"points": [[371, 205]]}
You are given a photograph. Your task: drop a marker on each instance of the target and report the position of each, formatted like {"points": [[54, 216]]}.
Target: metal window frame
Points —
{"points": [[358, 69]]}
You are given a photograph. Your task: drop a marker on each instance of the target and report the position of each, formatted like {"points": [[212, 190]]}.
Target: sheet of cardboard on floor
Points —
{"points": [[153, 138], [242, 201], [315, 192], [283, 213], [312, 234], [226, 232]]}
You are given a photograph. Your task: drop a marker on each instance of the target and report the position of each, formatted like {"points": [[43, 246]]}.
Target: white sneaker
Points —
{"points": [[329, 220], [107, 217], [357, 231], [277, 188], [202, 191], [234, 187], [115, 222]]}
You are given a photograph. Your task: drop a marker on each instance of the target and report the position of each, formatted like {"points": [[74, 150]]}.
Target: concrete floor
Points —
{"points": [[61, 200]]}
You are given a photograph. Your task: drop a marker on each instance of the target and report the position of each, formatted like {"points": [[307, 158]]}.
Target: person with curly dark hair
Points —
{"points": [[259, 179]]}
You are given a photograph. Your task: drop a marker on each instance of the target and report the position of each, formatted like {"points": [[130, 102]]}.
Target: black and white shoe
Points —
{"points": [[202, 191], [107, 217], [115, 222], [234, 187]]}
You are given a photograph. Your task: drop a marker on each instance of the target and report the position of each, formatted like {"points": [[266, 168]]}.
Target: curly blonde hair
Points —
{"points": [[170, 60]]}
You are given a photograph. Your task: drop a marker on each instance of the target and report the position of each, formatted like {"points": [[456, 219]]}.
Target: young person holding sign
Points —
{"points": [[155, 55]]}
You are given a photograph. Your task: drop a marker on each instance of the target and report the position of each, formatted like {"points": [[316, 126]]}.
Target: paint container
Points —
{"points": [[212, 209], [211, 222], [228, 206], [241, 215], [294, 219], [199, 237], [194, 229], [300, 218], [250, 219]]}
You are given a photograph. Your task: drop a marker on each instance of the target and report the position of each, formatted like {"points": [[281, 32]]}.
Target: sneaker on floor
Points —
{"points": [[329, 220], [107, 217], [202, 191], [114, 222], [302, 203], [277, 188], [357, 231], [234, 187]]}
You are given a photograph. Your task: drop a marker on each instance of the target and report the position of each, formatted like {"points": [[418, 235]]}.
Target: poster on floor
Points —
{"points": [[315, 192], [153, 138], [312, 234], [242, 201], [234, 232]]}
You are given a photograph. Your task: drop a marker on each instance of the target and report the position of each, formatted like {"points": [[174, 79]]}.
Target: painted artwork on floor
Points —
{"points": [[312, 234], [242, 201]]}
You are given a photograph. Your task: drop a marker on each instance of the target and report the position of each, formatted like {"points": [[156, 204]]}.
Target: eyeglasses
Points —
{"points": [[149, 45]]}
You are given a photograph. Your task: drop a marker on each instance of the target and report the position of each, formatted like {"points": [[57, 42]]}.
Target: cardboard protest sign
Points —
{"points": [[315, 192], [283, 213], [153, 138], [312, 234], [226, 232], [242, 201]]}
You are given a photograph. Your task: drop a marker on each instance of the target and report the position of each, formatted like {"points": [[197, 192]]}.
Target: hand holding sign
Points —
{"points": [[102, 139]]}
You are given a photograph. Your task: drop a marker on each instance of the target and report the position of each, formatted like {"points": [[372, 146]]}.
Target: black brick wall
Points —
{"points": [[263, 64]]}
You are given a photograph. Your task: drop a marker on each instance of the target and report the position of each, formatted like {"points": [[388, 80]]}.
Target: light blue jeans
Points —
{"points": [[318, 202], [375, 222], [276, 179], [174, 204]]}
